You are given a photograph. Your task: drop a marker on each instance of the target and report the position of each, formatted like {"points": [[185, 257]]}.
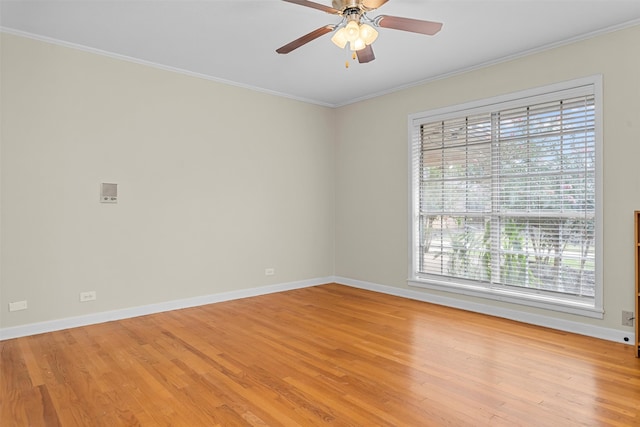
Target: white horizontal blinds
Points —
{"points": [[544, 163], [455, 196], [507, 197]]}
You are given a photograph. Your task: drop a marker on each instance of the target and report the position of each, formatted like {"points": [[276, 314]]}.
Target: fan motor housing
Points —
{"points": [[345, 5]]}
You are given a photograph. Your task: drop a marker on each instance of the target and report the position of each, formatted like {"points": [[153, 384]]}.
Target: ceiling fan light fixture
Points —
{"points": [[368, 34], [356, 27], [340, 38]]}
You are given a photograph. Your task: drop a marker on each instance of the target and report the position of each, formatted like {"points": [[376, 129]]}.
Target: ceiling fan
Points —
{"points": [[356, 28]]}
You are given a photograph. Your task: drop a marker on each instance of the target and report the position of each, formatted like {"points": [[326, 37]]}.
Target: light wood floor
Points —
{"points": [[328, 355]]}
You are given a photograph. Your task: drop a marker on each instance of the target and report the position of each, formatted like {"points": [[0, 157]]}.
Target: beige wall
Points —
{"points": [[216, 183], [372, 166]]}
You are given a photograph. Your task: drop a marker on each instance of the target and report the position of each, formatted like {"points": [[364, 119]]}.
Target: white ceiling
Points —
{"points": [[235, 40]]}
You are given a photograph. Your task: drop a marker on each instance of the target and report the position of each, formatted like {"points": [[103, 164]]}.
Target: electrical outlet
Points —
{"points": [[87, 296], [627, 318], [269, 271], [18, 305]]}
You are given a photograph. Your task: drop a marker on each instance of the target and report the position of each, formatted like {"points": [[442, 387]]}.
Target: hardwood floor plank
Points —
{"points": [[325, 355]]}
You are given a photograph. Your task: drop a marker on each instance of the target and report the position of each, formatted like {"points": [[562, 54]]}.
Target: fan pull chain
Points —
{"points": [[346, 63]]}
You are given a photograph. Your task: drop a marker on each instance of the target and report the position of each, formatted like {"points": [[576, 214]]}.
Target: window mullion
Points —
{"points": [[495, 199]]}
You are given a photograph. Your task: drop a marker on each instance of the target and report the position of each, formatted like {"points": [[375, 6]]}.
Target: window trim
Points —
{"points": [[528, 297]]}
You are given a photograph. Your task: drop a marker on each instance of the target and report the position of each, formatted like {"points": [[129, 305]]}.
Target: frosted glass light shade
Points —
{"points": [[352, 31], [358, 44], [340, 38], [368, 34]]}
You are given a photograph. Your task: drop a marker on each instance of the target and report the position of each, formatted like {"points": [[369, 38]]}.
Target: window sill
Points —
{"points": [[530, 299]]}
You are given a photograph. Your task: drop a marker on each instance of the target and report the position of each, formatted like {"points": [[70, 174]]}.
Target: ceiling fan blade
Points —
{"points": [[373, 4], [315, 6], [407, 24], [365, 55], [305, 39]]}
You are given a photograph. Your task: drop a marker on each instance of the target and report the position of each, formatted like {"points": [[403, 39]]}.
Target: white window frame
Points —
{"points": [[589, 307]]}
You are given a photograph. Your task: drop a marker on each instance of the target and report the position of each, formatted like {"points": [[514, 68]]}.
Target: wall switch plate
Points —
{"points": [[18, 305], [269, 271], [108, 193], [627, 318], [87, 296]]}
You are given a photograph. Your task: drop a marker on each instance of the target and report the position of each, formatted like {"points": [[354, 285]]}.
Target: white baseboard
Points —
{"points": [[534, 319], [126, 313], [108, 316]]}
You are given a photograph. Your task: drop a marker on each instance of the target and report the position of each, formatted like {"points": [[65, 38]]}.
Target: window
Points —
{"points": [[505, 198]]}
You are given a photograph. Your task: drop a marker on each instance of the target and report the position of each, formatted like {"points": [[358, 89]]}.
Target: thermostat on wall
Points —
{"points": [[108, 193]]}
